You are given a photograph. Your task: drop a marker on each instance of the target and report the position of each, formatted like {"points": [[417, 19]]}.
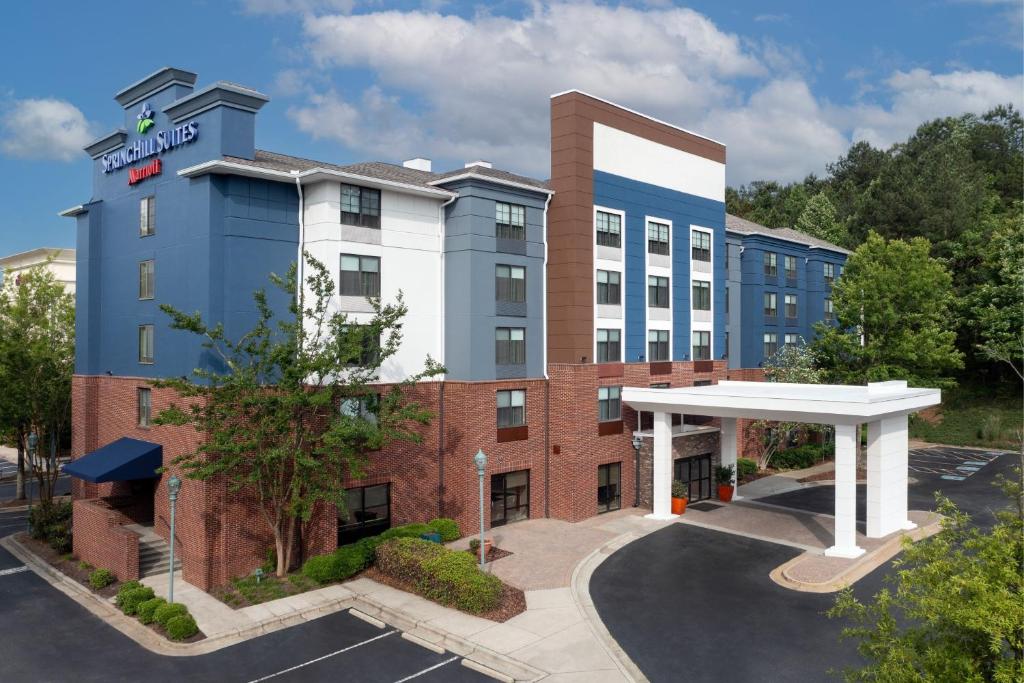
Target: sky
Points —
{"points": [[786, 85]]}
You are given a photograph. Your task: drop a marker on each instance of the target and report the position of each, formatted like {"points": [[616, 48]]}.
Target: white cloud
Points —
{"points": [[44, 129]]}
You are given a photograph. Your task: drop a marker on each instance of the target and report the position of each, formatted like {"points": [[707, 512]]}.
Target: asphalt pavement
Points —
{"points": [[688, 603]]}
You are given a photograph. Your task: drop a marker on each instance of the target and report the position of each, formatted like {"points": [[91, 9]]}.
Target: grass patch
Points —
{"points": [[245, 591], [987, 417]]}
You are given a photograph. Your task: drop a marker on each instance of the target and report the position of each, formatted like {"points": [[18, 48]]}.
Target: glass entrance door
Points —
{"points": [[510, 497], [695, 473], [609, 493]]}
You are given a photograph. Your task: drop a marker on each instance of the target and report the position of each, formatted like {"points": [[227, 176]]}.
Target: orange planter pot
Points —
{"points": [[679, 506], [725, 492]]}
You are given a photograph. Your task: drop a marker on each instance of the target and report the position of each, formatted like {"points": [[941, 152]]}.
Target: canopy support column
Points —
{"points": [[845, 538], [661, 453], [727, 444], [887, 477]]}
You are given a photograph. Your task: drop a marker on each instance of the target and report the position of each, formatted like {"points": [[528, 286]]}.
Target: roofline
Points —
{"points": [[55, 252], [491, 179], [71, 212], [837, 249], [634, 111], [235, 168]]}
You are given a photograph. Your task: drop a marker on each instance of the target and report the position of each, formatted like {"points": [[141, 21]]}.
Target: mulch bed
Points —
{"points": [[831, 474], [513, 600], [65, 565], [757, 475], [493, 554]]}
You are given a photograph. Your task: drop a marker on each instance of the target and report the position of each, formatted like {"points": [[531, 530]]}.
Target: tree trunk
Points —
{"points": [[279, 545], [19, 487]]}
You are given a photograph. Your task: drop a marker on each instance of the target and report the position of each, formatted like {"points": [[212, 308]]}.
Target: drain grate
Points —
{"points": [[705, 506]]}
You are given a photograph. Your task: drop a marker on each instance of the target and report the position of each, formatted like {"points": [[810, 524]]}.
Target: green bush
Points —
{"points": [[147, 610], [338, 566], [181, 627], [448, 528], [124, 589], [164, 613], [746, 467], [799, 457], [51, 522], [135, 597], [724, 475], [101, 578], [449, 577], [414, 530], [679, 489]]}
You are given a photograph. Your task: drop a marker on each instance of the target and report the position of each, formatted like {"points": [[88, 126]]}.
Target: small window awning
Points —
{"points": [[122, 460]]}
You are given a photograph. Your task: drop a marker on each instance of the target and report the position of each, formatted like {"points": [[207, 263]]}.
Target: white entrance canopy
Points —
{"points": [[884, 406]]}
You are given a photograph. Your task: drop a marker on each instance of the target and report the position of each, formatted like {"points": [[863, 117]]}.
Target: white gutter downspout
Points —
{"points": [[440, 284], [544, 291]]}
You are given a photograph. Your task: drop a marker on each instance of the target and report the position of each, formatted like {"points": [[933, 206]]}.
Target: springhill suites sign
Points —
{"points": [[163, 141]]}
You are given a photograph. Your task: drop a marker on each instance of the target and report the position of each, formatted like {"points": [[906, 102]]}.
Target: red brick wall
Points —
{"points": [[100, 539]]}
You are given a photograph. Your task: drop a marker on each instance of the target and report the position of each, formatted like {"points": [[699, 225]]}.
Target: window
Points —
{"points": [[145, 343], [510, 497], [726, 298], [771, 301], [367, 339], [510, 345], [510, 221], [701, 295], [657, 291], [790, 300], [609, 229], [830, 313], [360, 206], [146, 279], [657, 238], [609, 346], [726, 353], [701, 345], [830, 272], [609, 403], [609, 493], [789, 263], [771, 264], [657, 345], [792, 340], [368, 513], [771, 344], [700, 245], [360, 276], [364, 407], [144, 400], [147, 216], [511, 408], [510, 283], [608, 289]]}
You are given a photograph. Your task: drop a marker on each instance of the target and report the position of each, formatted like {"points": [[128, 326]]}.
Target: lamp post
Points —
{"points": [[33, 441], [481, 463], [637, 443], [173, 486]]}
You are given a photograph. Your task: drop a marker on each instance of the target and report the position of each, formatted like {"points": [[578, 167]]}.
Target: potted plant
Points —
{"points": [[474, 547], [724, 477], [679, 497]]}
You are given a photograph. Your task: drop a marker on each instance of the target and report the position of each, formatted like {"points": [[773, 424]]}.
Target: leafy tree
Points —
{"points": [[770, 203], [998, 303], [296, 409], [793, 363], [37, 357], [893, 308], [954, 608], [818, 219]]}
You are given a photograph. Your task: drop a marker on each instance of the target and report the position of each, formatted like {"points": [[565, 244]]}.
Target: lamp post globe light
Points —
{"points": [[173, 486], [637, 443], [480, 459]]}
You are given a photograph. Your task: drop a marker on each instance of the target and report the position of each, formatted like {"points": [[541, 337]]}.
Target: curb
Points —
{"points": [[855, 572], [580, 591]]}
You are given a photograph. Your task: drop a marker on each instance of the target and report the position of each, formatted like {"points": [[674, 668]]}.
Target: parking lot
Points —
{"points": [[953, 464]]}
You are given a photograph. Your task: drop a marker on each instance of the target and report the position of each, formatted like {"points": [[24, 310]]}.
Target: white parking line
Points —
{"points": [[326, 656], [13, 570], [427, 670]]}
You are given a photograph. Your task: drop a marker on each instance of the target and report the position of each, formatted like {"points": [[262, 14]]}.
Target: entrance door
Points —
{"points": [[609, 491], [510, 497], [695, 473]]}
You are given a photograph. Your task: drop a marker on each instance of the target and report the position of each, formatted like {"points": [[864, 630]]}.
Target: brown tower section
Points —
{"points": [[570, 216]]}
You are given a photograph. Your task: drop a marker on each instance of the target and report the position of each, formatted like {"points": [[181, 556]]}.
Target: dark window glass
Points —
{"points": [[145, 405], [510, 221], [657, 345], [608, 287], [147, 216], [510, 345], [510, 283], [368, 513], [657, 291], [609, 229], [792, 340], [511, 408], [701, 295], [510, 497], [695, 473], [830, 313], [609, 490], [360, 276], [700, 245], [147, 283], [609, 346], [145, 343], [789, 263], [360, 206], [791, 306], [727, 299], [365, 407], [771, 304], [830, 273], [701, 345], [366, 339], [771, 344], [657, 238], [609, 403], [771, 264]]}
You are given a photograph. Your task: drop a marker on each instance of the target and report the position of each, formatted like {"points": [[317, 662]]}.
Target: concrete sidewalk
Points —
{"points": [[781, 482]]}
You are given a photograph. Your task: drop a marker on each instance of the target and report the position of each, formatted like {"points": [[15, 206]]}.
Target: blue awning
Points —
{"points": [[121, 460]]}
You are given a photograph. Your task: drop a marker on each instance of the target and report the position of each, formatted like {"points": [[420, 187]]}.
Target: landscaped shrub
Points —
{"points": [[414, 530], [164, 613], [147, 610], [449, 577], [338, 566], [181, 627], [798, 457], [746, 467], [124, 589], [101, 578], [135, 597], [448, 528], [51, 522]]}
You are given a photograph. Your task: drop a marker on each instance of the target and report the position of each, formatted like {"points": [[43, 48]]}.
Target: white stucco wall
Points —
{"points": [[62, 266]]}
